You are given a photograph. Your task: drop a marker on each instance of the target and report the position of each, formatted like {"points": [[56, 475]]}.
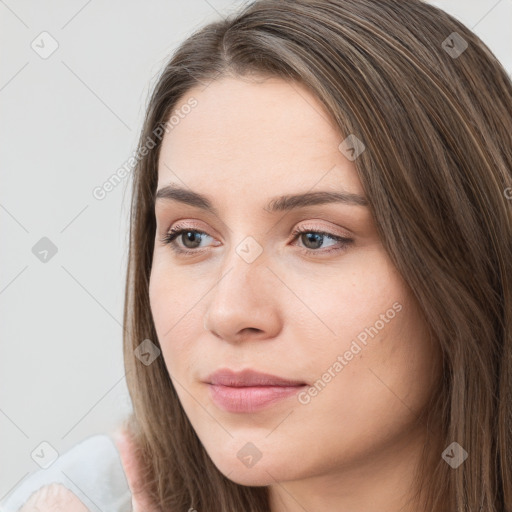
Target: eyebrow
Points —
{"points": [[277, 204]]}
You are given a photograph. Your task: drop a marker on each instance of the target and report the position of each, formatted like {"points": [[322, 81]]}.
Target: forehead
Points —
{"points": [[266, 133]]}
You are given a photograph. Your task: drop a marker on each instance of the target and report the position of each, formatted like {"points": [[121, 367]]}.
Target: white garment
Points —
{"points": [[95, 474]]}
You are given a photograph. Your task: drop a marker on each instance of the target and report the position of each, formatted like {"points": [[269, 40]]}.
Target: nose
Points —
{"points": [[243, 304]]}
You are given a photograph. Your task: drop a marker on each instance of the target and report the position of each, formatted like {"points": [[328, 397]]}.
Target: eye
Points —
{"points": [[192, 238], [312, 243], [188, 236]]}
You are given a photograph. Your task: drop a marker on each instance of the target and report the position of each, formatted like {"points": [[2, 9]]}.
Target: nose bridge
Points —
{"points": [[242, 297], [243, 277], [245, 267]]}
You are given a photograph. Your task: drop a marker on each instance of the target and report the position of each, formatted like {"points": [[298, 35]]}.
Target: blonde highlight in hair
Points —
{"points": [[438, 158]]}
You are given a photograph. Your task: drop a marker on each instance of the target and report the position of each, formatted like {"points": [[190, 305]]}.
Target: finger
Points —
{"points": [[53, 498], [131, 466]]}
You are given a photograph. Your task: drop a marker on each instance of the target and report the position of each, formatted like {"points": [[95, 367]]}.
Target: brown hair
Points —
{"points": [[437, 127]]}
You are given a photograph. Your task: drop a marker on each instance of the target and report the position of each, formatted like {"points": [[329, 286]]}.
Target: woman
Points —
{"points": [[319, 292], [397, 103]]}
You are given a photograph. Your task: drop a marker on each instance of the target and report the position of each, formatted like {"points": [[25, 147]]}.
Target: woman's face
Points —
{"points": [[239, 290]]}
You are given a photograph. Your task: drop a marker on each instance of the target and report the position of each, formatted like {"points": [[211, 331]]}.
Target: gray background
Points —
{"points": [[69, 121]]}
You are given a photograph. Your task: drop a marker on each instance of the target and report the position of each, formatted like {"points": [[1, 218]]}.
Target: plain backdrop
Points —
{"points": [[69, 120]]}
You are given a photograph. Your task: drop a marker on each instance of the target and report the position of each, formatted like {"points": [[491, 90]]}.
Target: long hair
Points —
{"points": [[433, 106]]}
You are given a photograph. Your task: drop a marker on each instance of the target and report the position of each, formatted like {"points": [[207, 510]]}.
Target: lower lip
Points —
{"points": [[250, 399]]}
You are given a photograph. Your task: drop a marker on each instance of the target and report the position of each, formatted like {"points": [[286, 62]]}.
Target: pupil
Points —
{"points": [[189, 236], [310, 236]]}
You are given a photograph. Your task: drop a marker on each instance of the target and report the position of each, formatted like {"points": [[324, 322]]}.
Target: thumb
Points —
{"points": [[127, 450]]}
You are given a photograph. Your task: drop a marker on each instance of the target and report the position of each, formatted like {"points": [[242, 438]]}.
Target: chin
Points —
{"points": [[250, 477], [239, 468]]}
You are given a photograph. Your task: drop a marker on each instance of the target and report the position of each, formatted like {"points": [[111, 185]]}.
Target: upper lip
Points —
{"points": [[248, 377]]}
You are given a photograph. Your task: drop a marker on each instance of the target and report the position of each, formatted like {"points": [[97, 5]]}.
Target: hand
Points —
{"points": [[141, 502], [53, 498]]}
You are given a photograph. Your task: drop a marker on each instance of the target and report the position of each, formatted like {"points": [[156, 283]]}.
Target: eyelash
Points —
{"points": [[175, 232]]}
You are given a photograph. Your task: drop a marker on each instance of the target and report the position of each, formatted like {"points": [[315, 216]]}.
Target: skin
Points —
{"points": [[54, 498], [290, 313], [141, 502]]}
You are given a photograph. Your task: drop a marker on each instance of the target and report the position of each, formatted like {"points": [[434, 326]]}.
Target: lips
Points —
{"points": [[249, 378], [249, 391]]}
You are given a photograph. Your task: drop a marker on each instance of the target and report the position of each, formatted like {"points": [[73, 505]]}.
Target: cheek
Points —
{"points": [[368, 348], [175, 307], [387, 370], [375, 393], [346, 302], [170, 295]]}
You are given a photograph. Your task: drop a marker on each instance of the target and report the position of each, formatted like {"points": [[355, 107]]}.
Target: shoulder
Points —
{"points": [[88, 475]]}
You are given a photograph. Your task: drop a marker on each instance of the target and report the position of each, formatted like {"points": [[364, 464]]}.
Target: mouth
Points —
{"points": [[249, 391]]}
